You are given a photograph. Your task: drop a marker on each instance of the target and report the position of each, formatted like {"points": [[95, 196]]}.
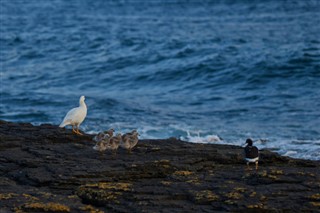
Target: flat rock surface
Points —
{"points": [[48, 169]]}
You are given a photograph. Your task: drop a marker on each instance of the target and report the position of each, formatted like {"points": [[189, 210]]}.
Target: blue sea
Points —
{"points": [[216, 71]]}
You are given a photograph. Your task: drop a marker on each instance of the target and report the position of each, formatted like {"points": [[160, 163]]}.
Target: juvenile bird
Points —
{"points": [[99, 137], [251, 153], [76, 116], [109, 132], [103, 135], [124, 136], [130, 140], [113, 143], [100, 146]]}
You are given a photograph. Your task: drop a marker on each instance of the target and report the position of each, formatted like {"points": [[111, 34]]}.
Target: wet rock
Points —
{"points": [[46, 168]]}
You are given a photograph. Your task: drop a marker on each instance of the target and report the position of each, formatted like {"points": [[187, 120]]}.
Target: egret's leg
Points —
{"points": [[79, 133], [73, 129]]}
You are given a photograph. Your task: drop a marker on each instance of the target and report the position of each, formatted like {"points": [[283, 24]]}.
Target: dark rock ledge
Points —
{"points": [[48, 169]]}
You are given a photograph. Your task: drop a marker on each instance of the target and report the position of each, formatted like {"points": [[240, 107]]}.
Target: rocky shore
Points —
{"points": [[48, 169]]}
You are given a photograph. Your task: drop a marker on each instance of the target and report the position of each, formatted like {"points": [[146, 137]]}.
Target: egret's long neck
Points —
{"points": [[82, 104]]}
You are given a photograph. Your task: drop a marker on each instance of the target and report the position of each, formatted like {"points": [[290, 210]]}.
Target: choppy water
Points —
{"points": [[186, 69]]}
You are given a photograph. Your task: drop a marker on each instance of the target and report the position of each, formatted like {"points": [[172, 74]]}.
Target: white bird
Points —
{"points": [[76, 116]]}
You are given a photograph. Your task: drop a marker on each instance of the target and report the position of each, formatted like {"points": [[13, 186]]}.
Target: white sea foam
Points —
{"points": [[196, 137], [290, 153]]}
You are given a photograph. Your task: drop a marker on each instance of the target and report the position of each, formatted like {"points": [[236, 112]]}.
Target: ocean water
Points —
{"points": [[203, 71]]}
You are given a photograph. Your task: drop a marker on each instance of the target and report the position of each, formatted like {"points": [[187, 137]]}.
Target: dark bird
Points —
{"points": [[251, 153]]}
